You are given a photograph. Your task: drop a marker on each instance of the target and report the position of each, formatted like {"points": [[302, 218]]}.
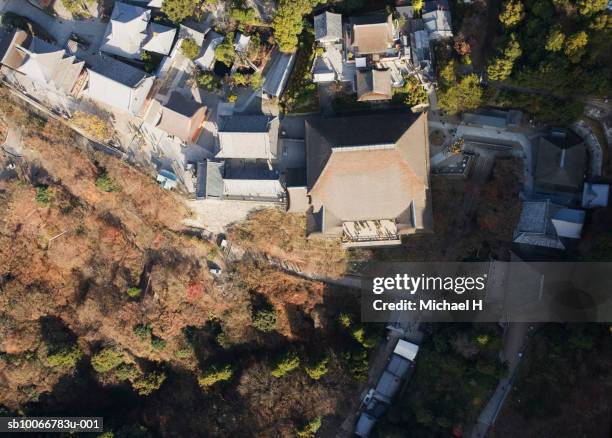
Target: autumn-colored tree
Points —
{"points": [[555, 40], [575, 46], [512, 13]]}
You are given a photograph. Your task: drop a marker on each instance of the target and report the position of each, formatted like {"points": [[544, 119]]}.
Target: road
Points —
{"points": [[515, 342]]}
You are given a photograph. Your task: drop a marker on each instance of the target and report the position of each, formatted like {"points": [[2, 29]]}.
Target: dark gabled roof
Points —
{"points": [[373, 85], [371, 129], [561, 161], [247, 123], [182, 117], [182, 105], [369, 167], [116, 70]]}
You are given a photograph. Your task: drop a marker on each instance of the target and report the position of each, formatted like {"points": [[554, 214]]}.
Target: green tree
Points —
{"points": [[178, 10], [555, 40], [107, 359], [288, 22], [466, 95], [367, 340], [142, 331], [264, 320], [448, 73], [501, 67], [158, 344], [317, 369], [417, 5], [245, 16], [225, 52], [575, 46], [127, 371], [64, 356], [214, 374], [512, 13], [345, 320], [208, 81], [285, 364], [310, 429], [190, 48], [590, 7], [149, 383]]}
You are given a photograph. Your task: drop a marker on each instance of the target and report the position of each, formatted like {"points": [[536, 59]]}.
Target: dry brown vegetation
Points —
{"points": [[67, 262], [283, 235], [488, 229]]}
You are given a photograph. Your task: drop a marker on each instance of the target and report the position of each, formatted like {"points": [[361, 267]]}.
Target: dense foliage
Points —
{"points": [[288, 22], [556, 46], [456, 372], [178, 10], [190, 48]]}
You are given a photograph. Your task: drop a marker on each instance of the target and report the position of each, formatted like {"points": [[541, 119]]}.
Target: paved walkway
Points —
{"points": [[595, 149], [92, 30]]}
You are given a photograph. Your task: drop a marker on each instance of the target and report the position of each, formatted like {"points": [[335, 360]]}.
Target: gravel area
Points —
{"points": [[214, 215]]}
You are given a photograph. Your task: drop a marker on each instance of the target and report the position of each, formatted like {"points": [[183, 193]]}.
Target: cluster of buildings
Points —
{"points": [[158, 104], [374, 53], [553, 215]]}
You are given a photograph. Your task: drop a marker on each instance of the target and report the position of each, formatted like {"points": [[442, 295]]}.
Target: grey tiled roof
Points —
{"points": [[328, 25], [115, 70]]}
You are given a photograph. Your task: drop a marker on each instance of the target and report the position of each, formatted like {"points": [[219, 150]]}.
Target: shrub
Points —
{"points": [[149, 383], [65, 357], [357, 363], [107, 359], [183, 353], [107, 184], [158, 344], [214, 374], [317, 369], [310, 429], [92, 125], [76, 8], [142, 331], [127, 371], [232, 98], [264, 320], [345, 320], [365, 339], [287, 363], [483, 339], [190, 48], [43, 196], [133, 292], [151, 61]]}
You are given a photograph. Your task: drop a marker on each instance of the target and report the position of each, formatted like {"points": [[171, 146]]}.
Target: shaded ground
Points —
{"points": [[566, 370]]}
